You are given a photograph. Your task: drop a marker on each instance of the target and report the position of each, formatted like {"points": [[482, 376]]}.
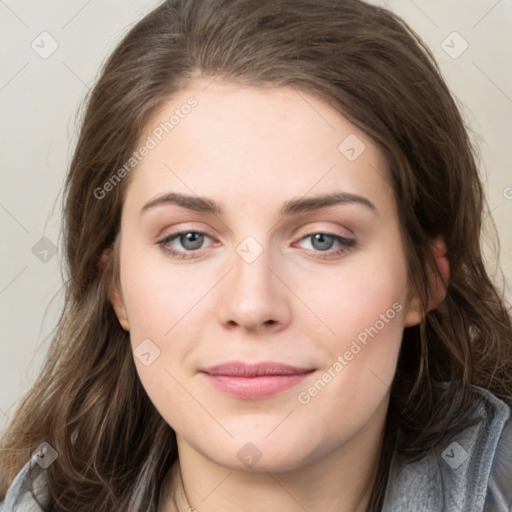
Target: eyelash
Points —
{"points": [[347, 244]]}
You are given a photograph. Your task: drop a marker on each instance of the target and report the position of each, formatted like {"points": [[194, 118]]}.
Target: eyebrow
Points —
{"points": [[292, 207]]}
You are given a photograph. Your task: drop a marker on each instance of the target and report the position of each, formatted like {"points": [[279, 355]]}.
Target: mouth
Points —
{"points": [[253, 381]]}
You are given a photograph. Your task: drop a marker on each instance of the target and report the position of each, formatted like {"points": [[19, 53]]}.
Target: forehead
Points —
{"points": [[244, 144]]}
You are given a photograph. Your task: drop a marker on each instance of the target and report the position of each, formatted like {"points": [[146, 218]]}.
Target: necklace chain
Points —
{"points": [[182, 490]]}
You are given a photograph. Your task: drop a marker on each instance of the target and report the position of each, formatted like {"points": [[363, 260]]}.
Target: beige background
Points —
{"points": [[40, 96]]}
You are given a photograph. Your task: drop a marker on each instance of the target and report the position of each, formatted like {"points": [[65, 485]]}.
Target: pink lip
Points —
{"points": [[251, 381]]}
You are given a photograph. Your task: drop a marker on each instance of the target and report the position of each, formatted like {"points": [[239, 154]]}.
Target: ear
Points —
{"points": [[115, 295], [437, 285]]}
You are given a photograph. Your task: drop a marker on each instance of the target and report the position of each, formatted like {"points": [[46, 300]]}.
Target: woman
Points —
{"points": [[276, 295]]}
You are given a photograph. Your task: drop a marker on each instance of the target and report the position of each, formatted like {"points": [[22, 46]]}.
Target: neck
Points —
{"points": [[342, 480]]}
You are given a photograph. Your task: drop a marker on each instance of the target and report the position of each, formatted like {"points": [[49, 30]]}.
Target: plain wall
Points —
{"points": [[39, 98]]}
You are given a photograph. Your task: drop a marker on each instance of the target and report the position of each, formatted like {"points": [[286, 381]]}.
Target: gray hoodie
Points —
{"points": [[472, 472]]}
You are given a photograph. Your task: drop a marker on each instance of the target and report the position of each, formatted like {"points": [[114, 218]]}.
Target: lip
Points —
{"points": [[254, 380]]}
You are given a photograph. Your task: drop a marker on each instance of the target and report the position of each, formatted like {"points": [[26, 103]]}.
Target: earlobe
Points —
{"points": [[413, 316], [115, 295], [116, 299], [438, 285]]}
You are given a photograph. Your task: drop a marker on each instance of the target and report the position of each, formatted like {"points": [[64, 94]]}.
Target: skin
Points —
{"points": [[251, 150]]}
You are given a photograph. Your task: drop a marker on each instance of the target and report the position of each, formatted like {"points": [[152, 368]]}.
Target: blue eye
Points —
{"points": [[324, 242], [321, 241], [190, 240]]}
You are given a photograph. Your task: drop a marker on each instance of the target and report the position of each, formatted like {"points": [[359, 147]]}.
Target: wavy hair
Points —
{"points": [[369, 65]]}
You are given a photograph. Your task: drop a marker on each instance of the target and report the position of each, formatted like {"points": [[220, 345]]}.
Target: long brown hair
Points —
{"points": [[365, 62]]}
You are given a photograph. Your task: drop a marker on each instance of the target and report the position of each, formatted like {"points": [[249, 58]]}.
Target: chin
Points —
{"points": [[257, 454]]}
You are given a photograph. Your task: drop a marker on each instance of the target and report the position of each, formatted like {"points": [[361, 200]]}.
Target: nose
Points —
{"points": [[255, 296]]}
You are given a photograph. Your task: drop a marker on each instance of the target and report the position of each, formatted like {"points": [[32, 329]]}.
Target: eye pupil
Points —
{"points": [[191, 240], [322, 241]]}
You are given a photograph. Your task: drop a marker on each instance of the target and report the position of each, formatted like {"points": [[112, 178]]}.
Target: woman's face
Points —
{"points": [[268, 336]]}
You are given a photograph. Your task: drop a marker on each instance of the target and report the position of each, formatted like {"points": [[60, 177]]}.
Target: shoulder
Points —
{"points": [[471, 471], [26, 490], [499, 495]]}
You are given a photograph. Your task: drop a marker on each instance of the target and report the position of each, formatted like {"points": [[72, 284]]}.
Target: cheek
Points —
{"points": [[163, 303], [159, 309], [370, 290], [158, 297], [363, 316], [365, 302]]}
